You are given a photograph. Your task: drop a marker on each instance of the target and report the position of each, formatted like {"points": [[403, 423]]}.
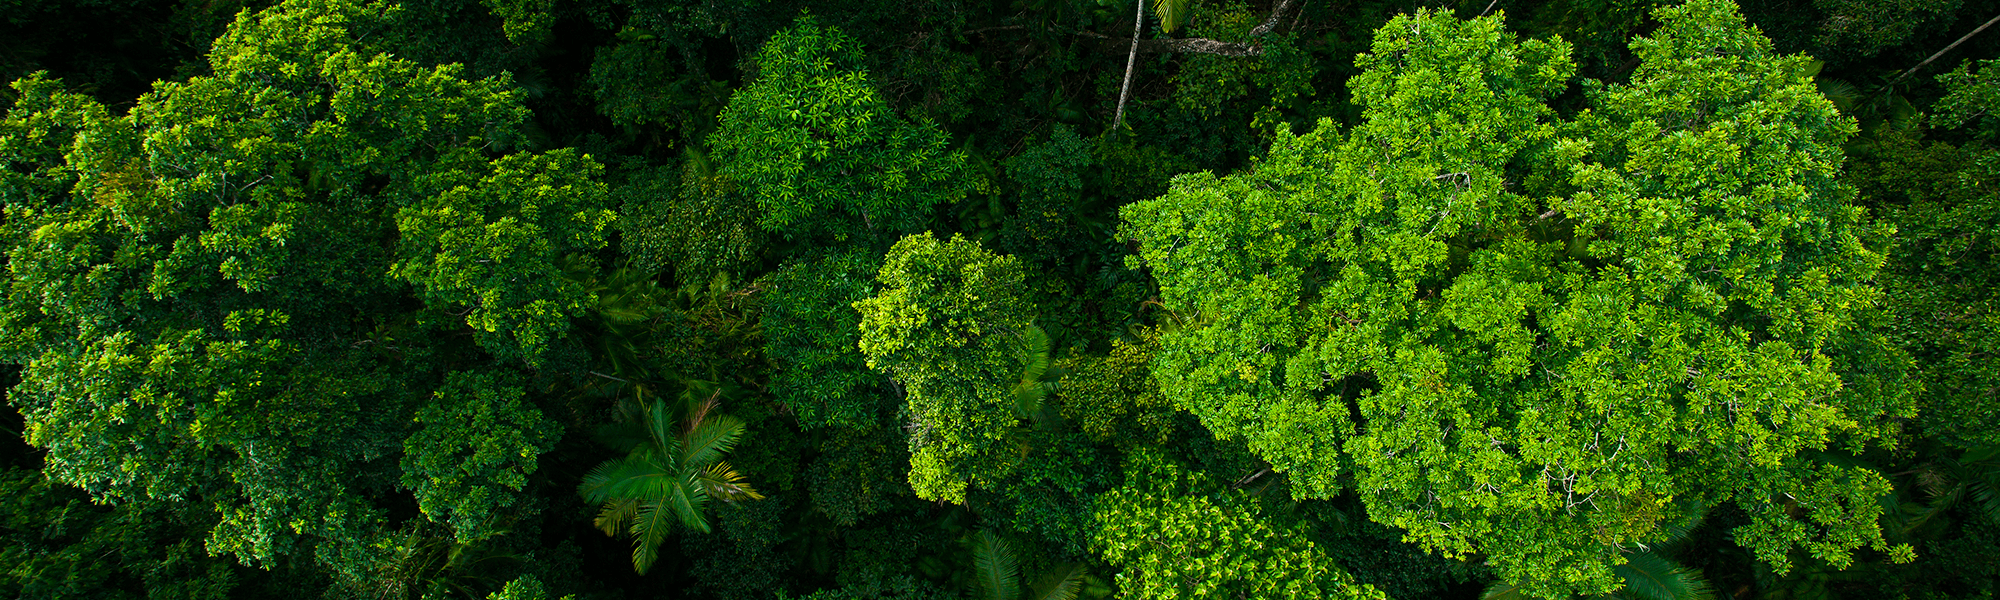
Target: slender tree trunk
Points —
{"points": [[1132, 58], [1961, 40]]}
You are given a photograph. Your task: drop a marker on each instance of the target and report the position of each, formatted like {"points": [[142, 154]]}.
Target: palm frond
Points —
{"points": [[598, 483], [1172, 13], [1028, 398], [615, 513], [654, 521], [1650, 576], [660, 425], [1064, 583], [687, 501], [1032, 350], [643, 475], [996, 571], [1501, 590], [708, 441], [1676, 531], [721, 481]]}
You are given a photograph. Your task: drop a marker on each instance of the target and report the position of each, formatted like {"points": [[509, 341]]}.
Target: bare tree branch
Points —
{"points": [[1961, 40]]}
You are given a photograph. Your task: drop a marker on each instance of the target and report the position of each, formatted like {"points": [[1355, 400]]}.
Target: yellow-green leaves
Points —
{"points": [[946, 326], [1173, 534], [1543, 324], [211, 296], [491, 243]]}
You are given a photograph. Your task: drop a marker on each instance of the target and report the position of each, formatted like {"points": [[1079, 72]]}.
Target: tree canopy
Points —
{"points": [[1050, 299]]}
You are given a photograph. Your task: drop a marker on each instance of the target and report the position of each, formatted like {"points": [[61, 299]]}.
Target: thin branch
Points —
{"points": [[1271, 22], [1961, 40], [1201, 45], [986, 29]]}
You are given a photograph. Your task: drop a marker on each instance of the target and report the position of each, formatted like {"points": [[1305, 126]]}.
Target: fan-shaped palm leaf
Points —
{"points": [[1172, 13], [669, 478]]}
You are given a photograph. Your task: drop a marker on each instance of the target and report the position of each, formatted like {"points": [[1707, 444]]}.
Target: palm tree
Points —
{"points": [[668, 477], [997, 574]]}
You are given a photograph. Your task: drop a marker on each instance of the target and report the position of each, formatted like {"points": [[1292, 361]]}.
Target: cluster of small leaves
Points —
{"points": [[859, 473], [1944, 270], [55, 544], [1545, 328], [821, 154], [813, 335], [1972, 92], [1175, 534], [491, 243], [476, 442], [1865, 27], [690, 224], [201, 291], [1113, 398], [1050, 189], [946, 326]]}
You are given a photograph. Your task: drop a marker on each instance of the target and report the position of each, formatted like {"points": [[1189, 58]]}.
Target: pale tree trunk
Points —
{"points": [[1132, 58]]}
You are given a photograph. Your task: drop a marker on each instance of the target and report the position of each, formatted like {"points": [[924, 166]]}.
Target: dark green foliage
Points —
{"points": [[742, 560], [475, 444], [55, 544], [858, 473], [813, 339], [822, 155]]}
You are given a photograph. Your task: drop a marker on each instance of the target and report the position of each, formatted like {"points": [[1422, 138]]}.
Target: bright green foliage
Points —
{"points": [[820, 153], [1176, 534], [525, 587], [526, 21], [491, 243], [813, 334], [201, 291], [668, 478], [1972, 94], [1172, 13], [476, 442], [1684, 315], [947, 325], [1648, 573]]}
